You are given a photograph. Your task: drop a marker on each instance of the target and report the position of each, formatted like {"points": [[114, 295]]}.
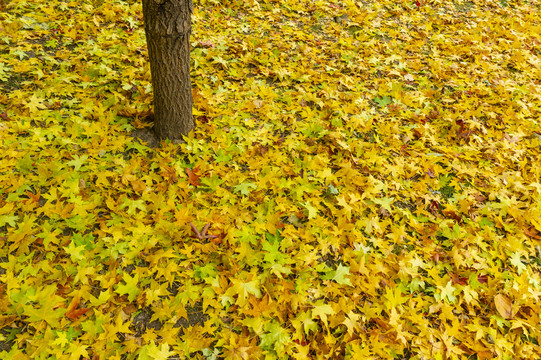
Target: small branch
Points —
{"points": [[201, 235]]}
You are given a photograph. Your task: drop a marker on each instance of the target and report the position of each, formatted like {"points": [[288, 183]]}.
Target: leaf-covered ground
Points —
{"points": [[370, 171]]}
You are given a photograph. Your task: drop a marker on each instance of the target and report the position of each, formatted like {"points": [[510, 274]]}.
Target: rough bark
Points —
{"points": [[168, 28]]}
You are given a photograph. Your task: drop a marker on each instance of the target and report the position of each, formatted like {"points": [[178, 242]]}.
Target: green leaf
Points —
{"points": [[385, 203], [20, 54], [447, 292], [211, 183], [8, 219], [383, 101], [78, 161], [208, 270], [77, 253], [133, 205], [339, 275], [129, 287], [332, 190], [244, 188], [221, 156], [275, 337], [87, 241]]}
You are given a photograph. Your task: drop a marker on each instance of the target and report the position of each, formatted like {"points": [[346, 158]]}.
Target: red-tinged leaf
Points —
{"points": [[457, 279], [206, 44], [452, 215], [193, 176], [73, 303], [63, 288], [203, 119], [434, 206], [483, 279], [302, 342], [75, 314], [72, 312], [4, 116]]}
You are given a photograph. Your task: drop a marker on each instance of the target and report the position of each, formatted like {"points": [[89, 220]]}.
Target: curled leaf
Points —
{"points": [[504, 306]]}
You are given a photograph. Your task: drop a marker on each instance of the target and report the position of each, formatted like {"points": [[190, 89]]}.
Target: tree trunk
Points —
{"points": [[168, 28]]}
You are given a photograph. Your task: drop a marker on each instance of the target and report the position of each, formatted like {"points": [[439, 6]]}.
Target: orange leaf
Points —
{"points": [[73, 303], [193, 177], [532, 233], [34, 198], [73, 313], [169, 174], [485, 355]]}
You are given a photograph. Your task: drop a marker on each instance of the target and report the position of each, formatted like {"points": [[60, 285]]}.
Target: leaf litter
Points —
{"points": [[366, 175]]}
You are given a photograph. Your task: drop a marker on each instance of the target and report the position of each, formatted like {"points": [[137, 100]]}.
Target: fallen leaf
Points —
{"points": [[504, 306]]}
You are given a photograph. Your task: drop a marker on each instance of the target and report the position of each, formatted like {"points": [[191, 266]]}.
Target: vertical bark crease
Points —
{"points": [[168, 30]]}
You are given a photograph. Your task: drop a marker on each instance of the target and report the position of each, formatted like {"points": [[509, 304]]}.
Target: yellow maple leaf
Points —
{"points": [[243, 289], [394, 297], [154, 352], [35, 103], [321, 310]]}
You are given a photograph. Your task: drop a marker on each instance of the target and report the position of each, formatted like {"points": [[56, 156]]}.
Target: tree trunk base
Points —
{"points": [[148, 137]]}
